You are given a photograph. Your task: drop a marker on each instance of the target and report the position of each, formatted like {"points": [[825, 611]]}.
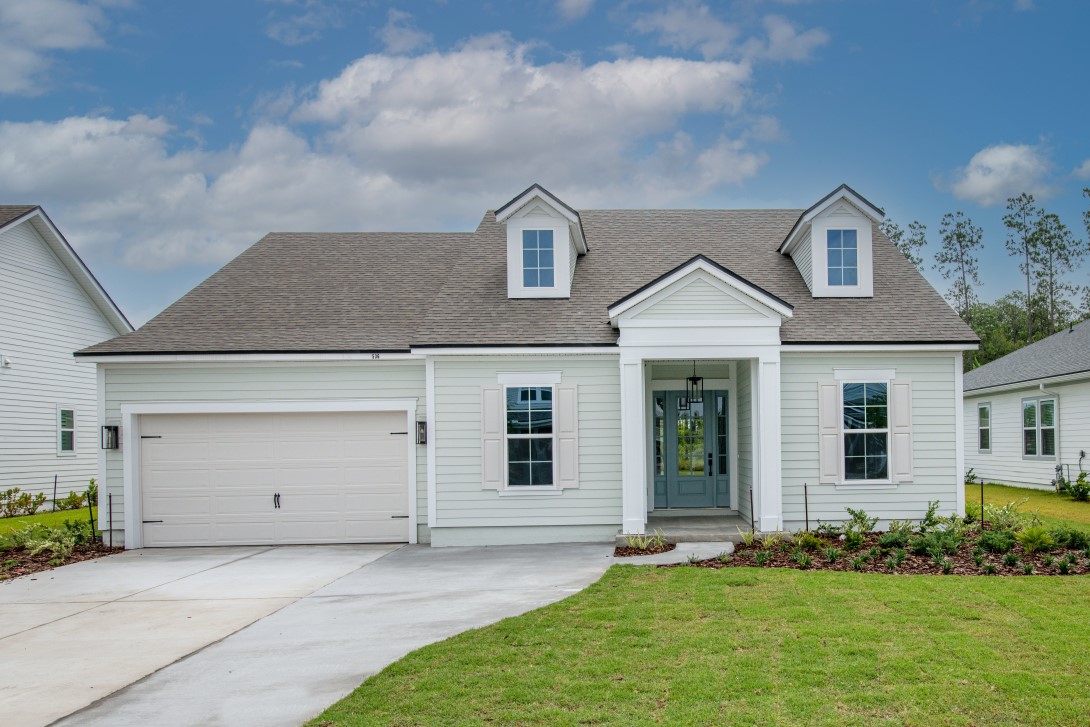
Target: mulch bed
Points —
{"points": [[15, 563], [963, 562], [622, 551]]}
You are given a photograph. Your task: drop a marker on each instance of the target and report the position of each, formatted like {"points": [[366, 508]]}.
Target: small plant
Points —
{"points": [[1027, 568], [762, 557], [769, 539], [1070, 538], [748, 537], [1010, 560], [891, 563], [1005, 517], [901, 526], [899, 555], [989, 570], [858, 562], [930, 519], [693, 559], [651, 541], [853, 541], [802, 558], [1035, 539], [978, 559], [874, 553], [92, 492], [828, 530], [833, 553], [806, 540], [893, 539], [724, 557], [996, 541], [942, 540], [947, 566], [860, 522], [1079, 490], [14, 502], [1064, 566], [971, 477], [73, 501], [1047, 561]]}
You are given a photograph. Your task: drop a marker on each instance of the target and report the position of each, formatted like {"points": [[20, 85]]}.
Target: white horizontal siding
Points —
{"points": [[935, 475], [1005, 463], [261, 381], [44, 317], [698, 300], [462, 502]]}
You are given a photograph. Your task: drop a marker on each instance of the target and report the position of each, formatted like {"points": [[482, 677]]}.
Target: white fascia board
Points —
{"points": [[236, 357], [1030, 384], [702, 265], [78, 269], [551, 351], [531, 195], [268, 407], [845, 195], [879, 347]]}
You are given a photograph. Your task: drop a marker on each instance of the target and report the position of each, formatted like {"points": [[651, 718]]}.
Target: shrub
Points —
{"points": [[860, 522], [832, 553], [858, 562], [1027, 568], [806, 540], [693, 559], [749, 537], [73, 501], [1010, 559], [899, 555], [901, 526], [646, 541], [971, 477], [874, 553], [1035, 539], [996, 541], [853, 541], [936, 540], [978, 559], [1079, 490], [1070, 538], [947, 566], [724, 557], [828, 530], [891, 563], [893, 540], [762, 557], [989, 570], [1063, 566], [1005, 517], [802, 558], [92, 492], [930, 519], [769, 539], [1047, 561], [58, 542]]}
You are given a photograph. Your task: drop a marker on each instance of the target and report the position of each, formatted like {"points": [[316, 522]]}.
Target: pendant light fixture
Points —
{"points": [[694, 388]]}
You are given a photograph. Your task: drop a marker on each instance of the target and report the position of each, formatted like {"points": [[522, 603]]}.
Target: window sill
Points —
{"points": [[1037, 458], [866, 486], [531, 491]]}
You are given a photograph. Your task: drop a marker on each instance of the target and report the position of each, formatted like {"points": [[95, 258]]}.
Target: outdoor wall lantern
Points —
{"points": [[694, 388], [111, 436], [421, 432]]}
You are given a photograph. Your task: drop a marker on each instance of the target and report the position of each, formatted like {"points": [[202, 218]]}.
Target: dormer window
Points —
{"points": [[843, 257], [538, 260]]}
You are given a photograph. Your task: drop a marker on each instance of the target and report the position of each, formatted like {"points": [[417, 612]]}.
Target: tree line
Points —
{"points": [[1048, 254]]}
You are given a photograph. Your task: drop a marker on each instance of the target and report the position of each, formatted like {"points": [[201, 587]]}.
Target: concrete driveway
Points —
{"points": [[253, 636]]}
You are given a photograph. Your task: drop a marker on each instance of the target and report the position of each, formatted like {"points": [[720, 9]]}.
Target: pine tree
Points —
{"points": [[1057, 252], [910, 246], [1021, 220], [956, 260]]}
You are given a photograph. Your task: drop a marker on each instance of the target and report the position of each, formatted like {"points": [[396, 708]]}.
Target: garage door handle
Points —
{"points": [[151, 436], [151, 521], [399, 517], [392, 433], [276, 501]]}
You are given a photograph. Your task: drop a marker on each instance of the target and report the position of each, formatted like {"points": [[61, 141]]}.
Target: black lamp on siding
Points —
{"points": [[694, 388], [111, 438]]}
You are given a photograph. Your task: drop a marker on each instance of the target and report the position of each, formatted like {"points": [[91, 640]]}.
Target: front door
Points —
{"points": [[691, 464]]}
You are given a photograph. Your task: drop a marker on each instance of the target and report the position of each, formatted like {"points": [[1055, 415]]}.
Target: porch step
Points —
{"points": [[694, 528]]}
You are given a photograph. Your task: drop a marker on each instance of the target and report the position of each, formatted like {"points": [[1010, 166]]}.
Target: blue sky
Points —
{"points": [[164, 137]]}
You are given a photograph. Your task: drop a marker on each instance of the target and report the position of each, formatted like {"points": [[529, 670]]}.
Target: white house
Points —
{"points": [[531, 381], [50, 306], [1028, 413]]}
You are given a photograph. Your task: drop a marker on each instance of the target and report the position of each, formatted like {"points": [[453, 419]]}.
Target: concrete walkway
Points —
{"points": [[75, 634], [289, 666]]}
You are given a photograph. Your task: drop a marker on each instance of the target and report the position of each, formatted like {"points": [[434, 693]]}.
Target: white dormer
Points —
{"points": [[831, 245], [544, 240]]}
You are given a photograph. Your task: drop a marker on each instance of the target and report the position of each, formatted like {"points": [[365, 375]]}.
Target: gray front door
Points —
{"points": [[691, 451]]}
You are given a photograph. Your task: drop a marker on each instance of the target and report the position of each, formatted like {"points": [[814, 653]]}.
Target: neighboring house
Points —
{"points": [[544, 359], [1029, 412], [50, 306]]}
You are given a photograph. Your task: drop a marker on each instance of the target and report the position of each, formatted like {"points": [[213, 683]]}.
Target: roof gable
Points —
{"points": [[700, 289], [537, 196], [832, 204], [72, 262]]}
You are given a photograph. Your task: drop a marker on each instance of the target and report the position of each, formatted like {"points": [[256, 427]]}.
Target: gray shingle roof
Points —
{"points": [[1063, 353], [9, 212], [390, 291]]}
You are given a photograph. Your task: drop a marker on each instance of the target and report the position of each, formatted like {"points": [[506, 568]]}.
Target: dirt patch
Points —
{"points": [[15, 563], [967, 560], [622, 551]]}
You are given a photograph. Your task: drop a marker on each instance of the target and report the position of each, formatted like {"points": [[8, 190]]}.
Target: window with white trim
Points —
{"points": [[538, 260], [842, 248], [529, 436], [865, 426], [66, 431], [1039, 428], [984, 428]]}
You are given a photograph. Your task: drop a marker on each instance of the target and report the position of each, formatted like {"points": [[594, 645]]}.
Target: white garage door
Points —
{"points": [[232, 479]]}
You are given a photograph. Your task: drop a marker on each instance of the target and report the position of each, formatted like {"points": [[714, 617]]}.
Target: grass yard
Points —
{"points": [[1051, 507], [757, 646], [52, 519]]}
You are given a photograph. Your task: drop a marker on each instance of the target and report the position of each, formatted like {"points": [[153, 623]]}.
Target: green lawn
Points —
{"points": [[1052, 508], [53, 519], [752, 646]]}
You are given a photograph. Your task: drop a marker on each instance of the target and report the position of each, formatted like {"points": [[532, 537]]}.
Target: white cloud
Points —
{"points": [[1023, 5], [423, 142], [31, 31], [689, 25], [1082, 171], [998, 172], [399, 35], [574, 9], [294, 22], [786, 43]]}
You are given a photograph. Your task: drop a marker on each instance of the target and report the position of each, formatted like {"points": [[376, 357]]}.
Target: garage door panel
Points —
{"points": [[342, 477]]}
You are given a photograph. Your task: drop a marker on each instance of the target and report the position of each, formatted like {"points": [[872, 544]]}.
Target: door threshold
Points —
{"points": [[693, 512]]}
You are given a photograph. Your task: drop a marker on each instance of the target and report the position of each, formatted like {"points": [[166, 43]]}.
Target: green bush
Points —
{"points": [[832, 553], [893, 539], [1035, 539], [860, 522], [59, 542], [802, 558], [937, 541], [806, 540], [14, 502], [997, 541], [1005, 517], [931, 519], [73, 501], [1079, 490], [853, 541], [1070, 538], [92, 492]]}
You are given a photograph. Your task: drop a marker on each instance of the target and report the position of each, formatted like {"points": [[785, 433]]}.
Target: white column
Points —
{"points": [[959, 433], [770, 506], [633, 456]]}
